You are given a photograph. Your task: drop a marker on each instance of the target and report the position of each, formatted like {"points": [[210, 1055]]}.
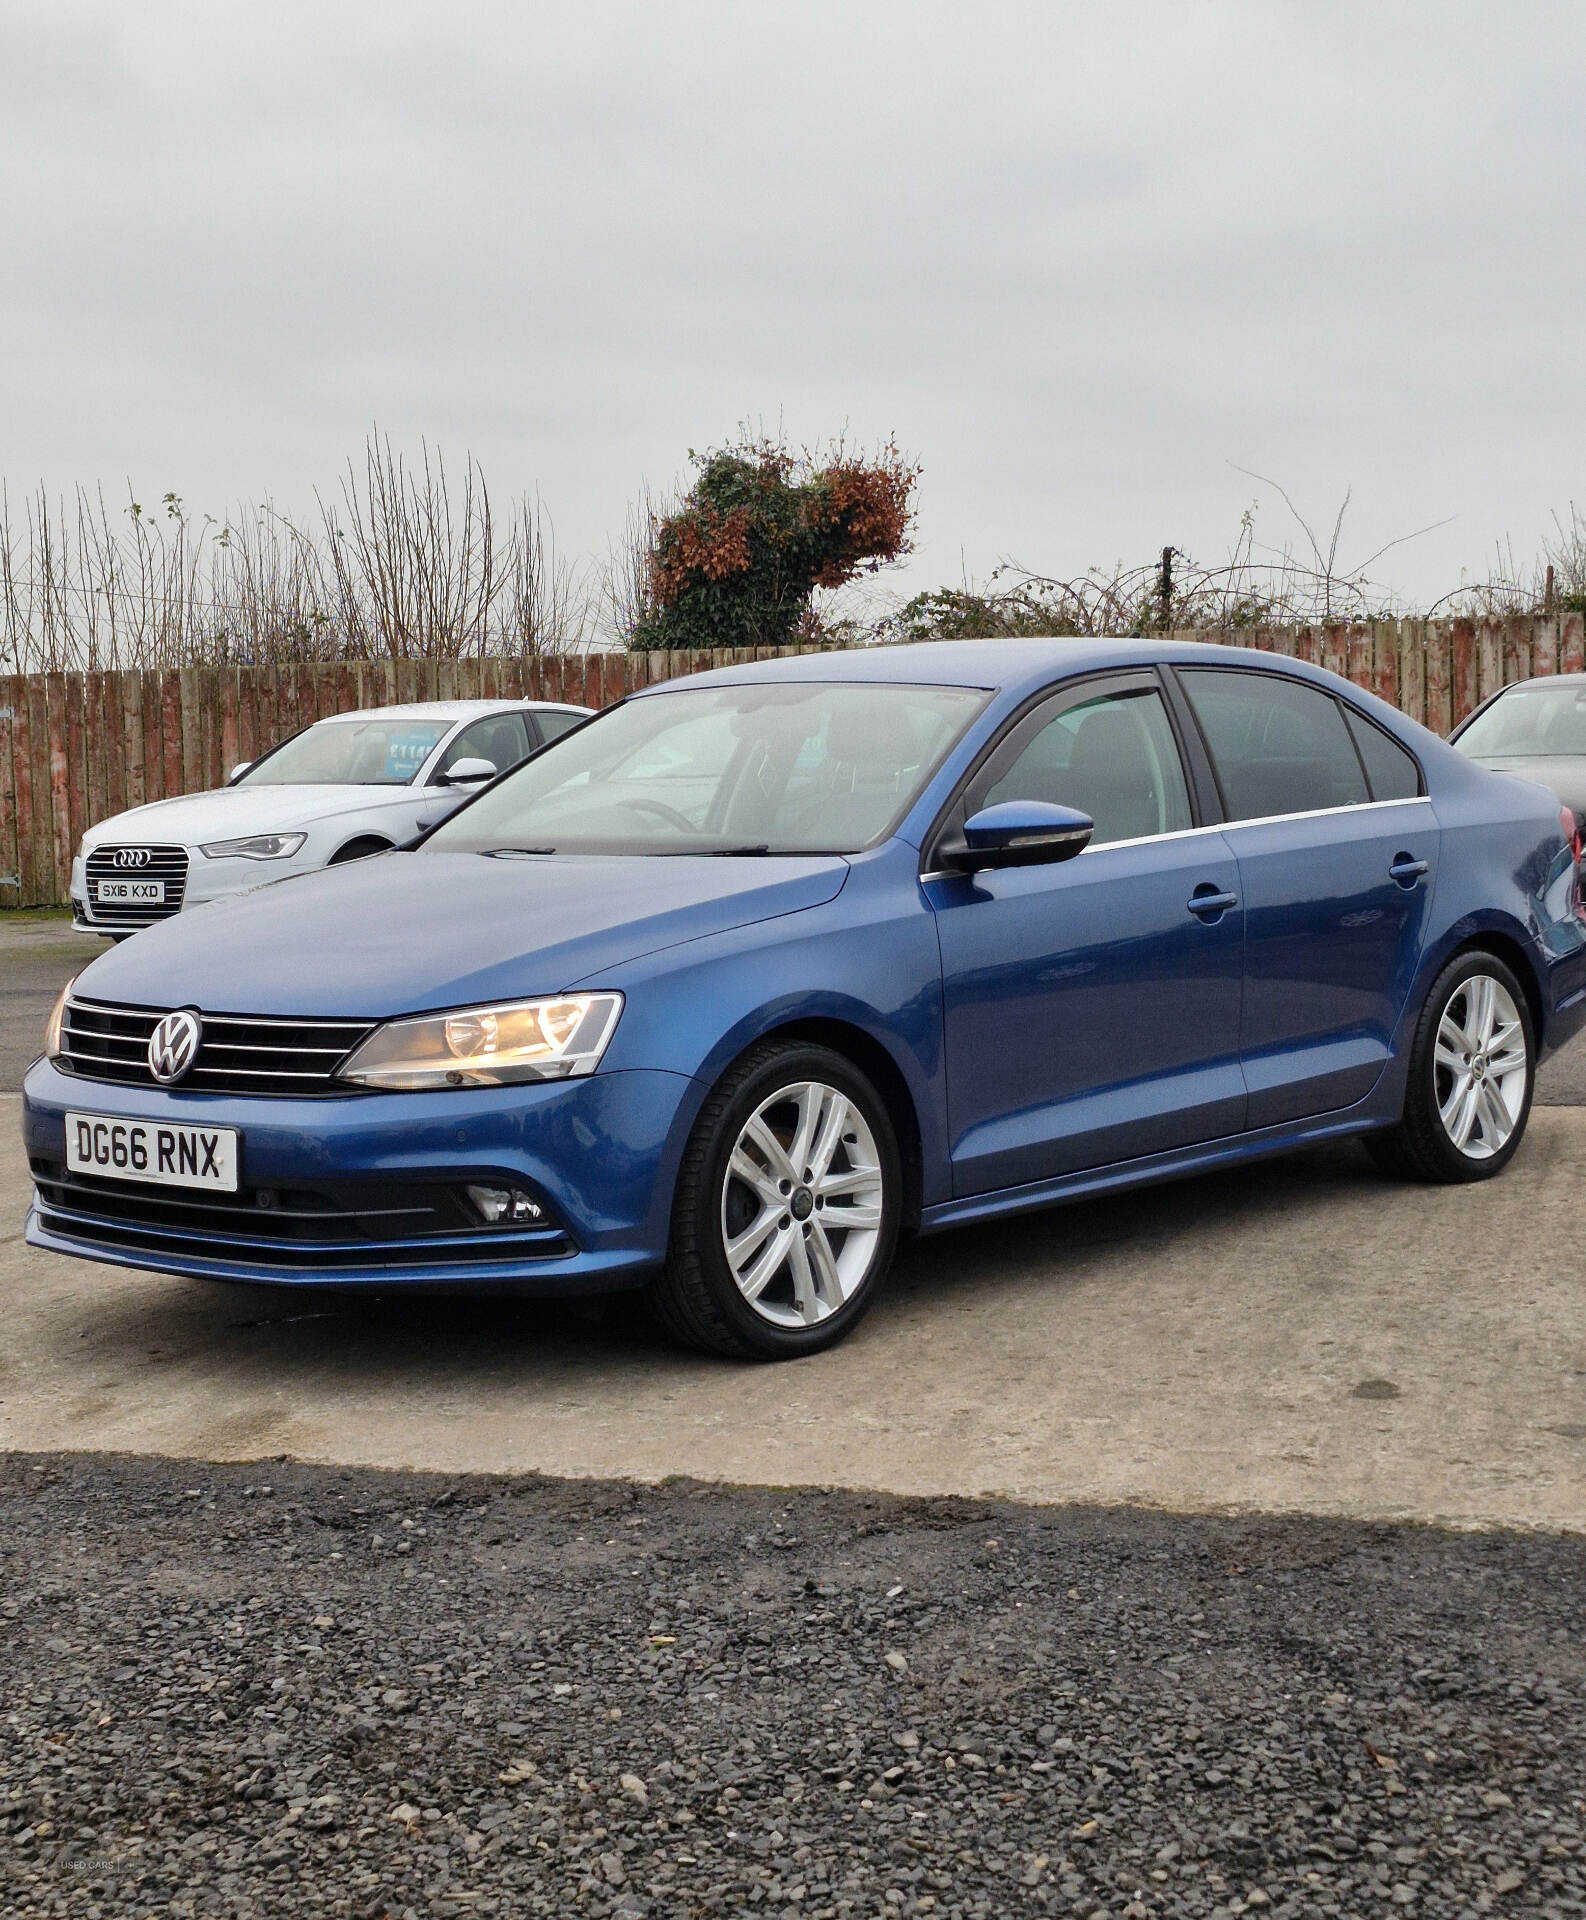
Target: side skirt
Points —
{"points": [[1176, 1165]]}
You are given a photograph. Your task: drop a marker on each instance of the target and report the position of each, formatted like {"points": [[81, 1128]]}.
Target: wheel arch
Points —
{"points": [[864, 1051], [367, 843], [1503, 946]]}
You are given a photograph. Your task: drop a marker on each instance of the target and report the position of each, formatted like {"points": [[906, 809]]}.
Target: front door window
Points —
{"points": [[1114, 758]]}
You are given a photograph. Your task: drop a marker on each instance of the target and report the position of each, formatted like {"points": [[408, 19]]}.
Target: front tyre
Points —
{"points": [[1472, 1072], [787, 1208]]}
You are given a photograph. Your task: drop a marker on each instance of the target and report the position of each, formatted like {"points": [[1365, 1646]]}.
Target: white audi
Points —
{"points": [[342, 788]]}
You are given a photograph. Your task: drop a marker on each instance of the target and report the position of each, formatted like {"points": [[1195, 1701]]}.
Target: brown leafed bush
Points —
{"points": [[737, 561]]}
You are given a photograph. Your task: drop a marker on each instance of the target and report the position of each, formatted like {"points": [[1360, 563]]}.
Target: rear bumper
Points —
{"points": [[600, 1152]]}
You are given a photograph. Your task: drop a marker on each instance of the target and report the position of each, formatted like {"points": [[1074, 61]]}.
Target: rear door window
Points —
{"points": [[1278, 746], [553, 725]]}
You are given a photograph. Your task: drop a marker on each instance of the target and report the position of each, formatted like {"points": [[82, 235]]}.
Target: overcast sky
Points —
{"points": [[1083, 260]]}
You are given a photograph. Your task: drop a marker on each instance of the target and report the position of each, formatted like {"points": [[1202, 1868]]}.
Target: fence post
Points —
{"points": [[58, 846], [30, 804], [1462, 671], [1572, 643], [10, 859]]}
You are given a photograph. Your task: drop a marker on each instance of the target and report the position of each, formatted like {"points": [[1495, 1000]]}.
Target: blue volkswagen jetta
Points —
{"points": [[759, 969]]}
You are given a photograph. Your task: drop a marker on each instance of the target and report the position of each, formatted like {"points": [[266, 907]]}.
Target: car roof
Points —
{"points": [[451, 710], [998, 665]]}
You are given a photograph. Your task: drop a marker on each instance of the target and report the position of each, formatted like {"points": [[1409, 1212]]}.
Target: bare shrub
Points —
{"points": [[627, 591], [403, 564], [1304, 580]]}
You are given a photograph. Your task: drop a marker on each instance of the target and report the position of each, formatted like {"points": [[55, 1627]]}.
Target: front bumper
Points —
{"points": [[601, 1151]]}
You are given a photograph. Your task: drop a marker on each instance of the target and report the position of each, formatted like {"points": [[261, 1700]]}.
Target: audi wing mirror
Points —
{"points": [[467, 773]]}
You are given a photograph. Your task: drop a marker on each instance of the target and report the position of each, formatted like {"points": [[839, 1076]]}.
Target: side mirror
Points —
{"points": [[466, 773], [237, 772], [1020, 833]]}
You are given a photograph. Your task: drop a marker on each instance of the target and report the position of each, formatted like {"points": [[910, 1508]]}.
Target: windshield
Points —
{"points": [[356, 753], [784, 768], [1529, 722]]}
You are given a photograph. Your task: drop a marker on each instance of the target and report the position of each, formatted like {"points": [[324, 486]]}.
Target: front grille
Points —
{"points": [[238, 1052], [163, 863], [338, 1226]]}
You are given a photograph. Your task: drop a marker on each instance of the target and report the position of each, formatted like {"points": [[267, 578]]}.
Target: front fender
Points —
{"points": [[868, 959]]}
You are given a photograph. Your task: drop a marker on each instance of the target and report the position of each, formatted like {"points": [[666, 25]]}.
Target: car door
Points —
{"points": [[1091, 1008], [1337, 850]]}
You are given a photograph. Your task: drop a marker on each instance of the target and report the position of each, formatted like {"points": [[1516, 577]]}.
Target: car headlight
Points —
{"points": [[556, 1039], [256, 846], [52, 1026]]}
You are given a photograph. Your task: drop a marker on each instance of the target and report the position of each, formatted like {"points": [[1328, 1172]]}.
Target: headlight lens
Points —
{"points": [[52, 1026], [256, 846], [555, 1039]]}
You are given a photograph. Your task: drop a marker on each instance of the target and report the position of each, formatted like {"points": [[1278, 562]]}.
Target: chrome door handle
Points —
{"points": [[1406, 869], [1207, 903]]}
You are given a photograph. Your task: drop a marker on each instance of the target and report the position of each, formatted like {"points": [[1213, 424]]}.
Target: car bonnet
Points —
{"points": [[406, 932], [226, 812]]}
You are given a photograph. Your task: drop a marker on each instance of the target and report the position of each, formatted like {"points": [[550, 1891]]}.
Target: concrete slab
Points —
{"points": [[1307, 1337]]}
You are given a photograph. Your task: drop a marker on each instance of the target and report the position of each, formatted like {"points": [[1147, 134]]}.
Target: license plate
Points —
{"points": [[132, 893], [170, 1156]]}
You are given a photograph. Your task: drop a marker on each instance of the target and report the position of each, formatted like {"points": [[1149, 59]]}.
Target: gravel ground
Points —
{"points": [[278, 1690]]}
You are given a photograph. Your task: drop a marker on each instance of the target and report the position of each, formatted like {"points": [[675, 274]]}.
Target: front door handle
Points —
{"points": [[1406, 869], [1208, 903]]}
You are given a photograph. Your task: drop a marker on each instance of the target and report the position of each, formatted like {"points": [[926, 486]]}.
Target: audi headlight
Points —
{"points": [[256, 846], [492, 1046]]}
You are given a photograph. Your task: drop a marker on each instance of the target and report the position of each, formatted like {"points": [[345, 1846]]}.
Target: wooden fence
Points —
{"points": [[76, 748]]}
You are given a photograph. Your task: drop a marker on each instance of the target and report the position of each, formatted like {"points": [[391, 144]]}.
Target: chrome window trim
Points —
{"points": [[1268, 820], [1225, 826]]}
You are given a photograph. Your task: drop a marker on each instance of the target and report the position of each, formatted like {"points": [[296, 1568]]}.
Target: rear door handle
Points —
{"points": [[1406, 869], [1207, 903]]}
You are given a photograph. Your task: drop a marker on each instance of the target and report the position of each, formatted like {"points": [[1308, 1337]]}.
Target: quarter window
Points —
{"points": [[1114, 758], [1278, 746]]}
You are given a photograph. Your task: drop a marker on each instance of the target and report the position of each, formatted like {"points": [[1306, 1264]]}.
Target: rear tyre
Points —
{"points": [[1472, 1073], [786, 1211], [358, 850]]}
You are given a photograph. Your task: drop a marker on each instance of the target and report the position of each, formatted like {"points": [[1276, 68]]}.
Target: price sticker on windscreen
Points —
{"points": [[405, 752]]}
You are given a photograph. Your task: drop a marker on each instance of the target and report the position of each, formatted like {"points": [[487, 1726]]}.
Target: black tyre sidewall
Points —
{"points": [[697, 1238], [1421, 1111]]}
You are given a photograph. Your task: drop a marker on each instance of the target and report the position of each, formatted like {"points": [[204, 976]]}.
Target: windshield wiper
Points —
{"points": [[509, 853], [732, 853]]}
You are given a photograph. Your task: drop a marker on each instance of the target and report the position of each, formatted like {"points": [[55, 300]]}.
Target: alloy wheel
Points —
{"points": [[802, 1204], [1480, 1065]]}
